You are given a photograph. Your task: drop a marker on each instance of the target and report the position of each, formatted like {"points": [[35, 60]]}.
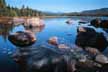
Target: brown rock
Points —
{"points": [[53, 40], [22, 39]]}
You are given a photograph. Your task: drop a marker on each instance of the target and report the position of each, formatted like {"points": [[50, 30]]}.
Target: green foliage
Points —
{"points": [[6, 10], [11, 11], [2, 4]]}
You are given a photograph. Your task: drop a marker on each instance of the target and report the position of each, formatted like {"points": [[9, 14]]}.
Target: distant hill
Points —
{"points": [[102, 11], [96, 12]]}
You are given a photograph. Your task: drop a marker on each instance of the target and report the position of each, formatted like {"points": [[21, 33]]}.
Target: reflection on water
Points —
{"points": [[5, 49], [66, 34], [34, 29], [4, 30]]}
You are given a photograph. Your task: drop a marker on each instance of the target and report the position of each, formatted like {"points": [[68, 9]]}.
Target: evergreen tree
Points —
{"points": [[2, 4]]}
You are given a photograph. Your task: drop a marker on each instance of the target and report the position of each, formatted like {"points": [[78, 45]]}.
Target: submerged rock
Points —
{"points": [[93, 51], [22, 39], [53, 40], [82, 22], [101, 59], [63, 46], [88, 37], [69, 21], [43, 59], [34, 29]]}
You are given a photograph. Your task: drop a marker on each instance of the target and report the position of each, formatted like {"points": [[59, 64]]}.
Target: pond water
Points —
{"points": [[66, 34]]}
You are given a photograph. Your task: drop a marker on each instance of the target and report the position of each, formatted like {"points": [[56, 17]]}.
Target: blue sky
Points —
{"points": [[60, 5]]}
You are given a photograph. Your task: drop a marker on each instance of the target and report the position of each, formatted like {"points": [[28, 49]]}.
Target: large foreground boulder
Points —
{"points": [[22, 39], [88, 37]]}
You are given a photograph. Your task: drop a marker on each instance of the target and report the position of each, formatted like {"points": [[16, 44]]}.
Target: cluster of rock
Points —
{"points": [[86, 56], [31, 22], [43, 59], [94, 43], [61, 58], [88, 37]]}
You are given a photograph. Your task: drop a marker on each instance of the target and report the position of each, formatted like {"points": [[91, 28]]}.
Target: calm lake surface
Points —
{"points": [[66, 34]]}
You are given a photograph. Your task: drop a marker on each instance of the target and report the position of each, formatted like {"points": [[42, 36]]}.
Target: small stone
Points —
{"points": [[69, 34], [83, 59], [40, 63], [4, 51], [55, 60], [53, 40], [97, 64], [69, 21], [25, 53], [93, 51], [9, 52], [9, 49], [81, 29], [62, 46], [72, 50], [101, 58]]}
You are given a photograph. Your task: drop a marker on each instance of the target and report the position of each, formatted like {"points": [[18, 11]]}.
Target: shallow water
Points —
{"points": [[66, 34]]}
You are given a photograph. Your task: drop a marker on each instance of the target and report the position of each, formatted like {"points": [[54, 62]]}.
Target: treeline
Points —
{"points": [[6, 10]]}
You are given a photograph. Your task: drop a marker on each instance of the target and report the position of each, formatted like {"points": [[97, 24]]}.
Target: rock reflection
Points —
{"points": [[34, 29], [5, 29]]}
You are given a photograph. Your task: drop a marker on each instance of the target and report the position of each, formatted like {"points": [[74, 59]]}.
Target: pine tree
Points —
{"points": [[2, 4]]}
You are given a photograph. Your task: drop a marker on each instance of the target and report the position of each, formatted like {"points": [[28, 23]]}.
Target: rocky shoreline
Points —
{"points": [[85, 56]]}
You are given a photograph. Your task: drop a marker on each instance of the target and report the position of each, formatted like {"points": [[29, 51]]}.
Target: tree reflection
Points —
{"points": [[5, 30], [34, 29]]}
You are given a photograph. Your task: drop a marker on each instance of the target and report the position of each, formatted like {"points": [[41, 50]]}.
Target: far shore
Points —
{"points": [[7, 17]]}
